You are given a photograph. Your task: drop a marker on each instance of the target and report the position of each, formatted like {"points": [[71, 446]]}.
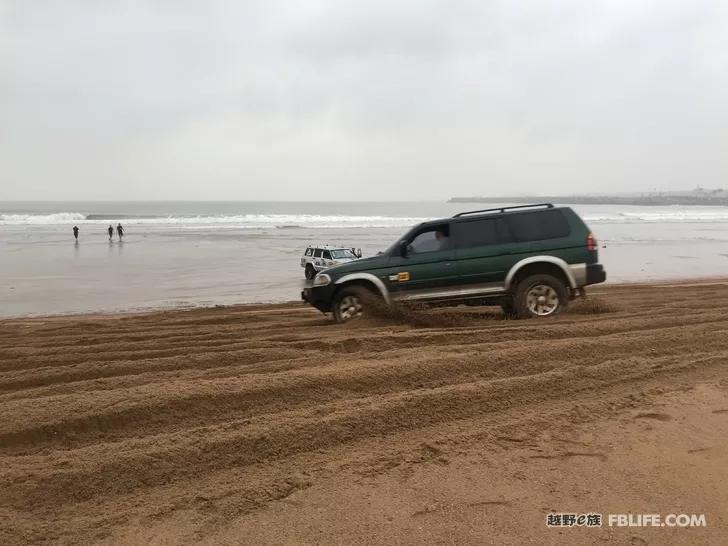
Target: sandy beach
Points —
{"points": [[269, 424]]}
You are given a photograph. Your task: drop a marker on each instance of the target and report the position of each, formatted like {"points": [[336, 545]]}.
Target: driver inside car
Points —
{"points": [[430, 241]]}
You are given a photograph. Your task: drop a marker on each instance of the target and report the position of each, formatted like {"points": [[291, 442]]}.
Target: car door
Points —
{"points": [[484, 253], [327, 260], [427, 269], [318, 259], [307, 254]]}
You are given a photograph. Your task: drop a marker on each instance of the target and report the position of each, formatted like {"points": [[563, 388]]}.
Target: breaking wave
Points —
{"points": [[285, 221], [307, 221], [39, 219], [676, 216]]}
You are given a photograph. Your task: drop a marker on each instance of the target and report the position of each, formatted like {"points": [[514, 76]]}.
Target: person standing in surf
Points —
{"points": [[111, 232], [75, 232], [120, 231]]}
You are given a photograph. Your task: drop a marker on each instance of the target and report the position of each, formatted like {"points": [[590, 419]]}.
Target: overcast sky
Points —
{"points": [[368, 100]]}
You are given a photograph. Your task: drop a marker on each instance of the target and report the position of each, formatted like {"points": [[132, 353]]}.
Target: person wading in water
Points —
{"points": [[75, 232], [111, 232], [120, 231]]}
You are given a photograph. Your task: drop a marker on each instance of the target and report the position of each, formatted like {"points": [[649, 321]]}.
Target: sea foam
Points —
{"points": [[304, 221]]}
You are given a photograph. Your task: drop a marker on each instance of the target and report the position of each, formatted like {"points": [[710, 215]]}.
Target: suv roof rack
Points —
{"points": [[503, 209]]}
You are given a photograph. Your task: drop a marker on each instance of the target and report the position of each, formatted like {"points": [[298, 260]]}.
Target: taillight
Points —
{"points": [[591, 242]]}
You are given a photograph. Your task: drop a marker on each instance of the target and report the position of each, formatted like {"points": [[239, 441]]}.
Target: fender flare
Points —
{"points": [[376, 281], [561, 264]]}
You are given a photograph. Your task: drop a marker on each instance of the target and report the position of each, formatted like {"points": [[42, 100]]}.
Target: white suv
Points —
{"points": [[318, 258]]}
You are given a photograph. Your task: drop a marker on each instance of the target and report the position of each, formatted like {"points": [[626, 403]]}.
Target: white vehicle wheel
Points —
{"points": [[542, 300], [351, 303], [349, 308], [540, 295]]}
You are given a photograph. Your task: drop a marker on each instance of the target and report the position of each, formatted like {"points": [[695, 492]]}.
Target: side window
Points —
{"points": [[317, 253], [431, 240], [309, 252], [538, 226], [488, 231], [327, 255]]}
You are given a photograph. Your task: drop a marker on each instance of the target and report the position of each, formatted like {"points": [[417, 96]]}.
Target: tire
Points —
{"points": [[310, 272], [539, 296], [351, 303]]}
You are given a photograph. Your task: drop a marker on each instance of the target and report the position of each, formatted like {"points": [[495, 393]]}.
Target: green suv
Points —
{"points": [[531, 260]]}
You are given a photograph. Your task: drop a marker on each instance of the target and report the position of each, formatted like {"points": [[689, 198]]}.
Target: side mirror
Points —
{"points": [[403, 249]]}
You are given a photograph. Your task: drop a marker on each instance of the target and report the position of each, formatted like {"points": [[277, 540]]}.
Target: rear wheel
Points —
{"points": [[539, 296], [351, 303], [310, 272]]}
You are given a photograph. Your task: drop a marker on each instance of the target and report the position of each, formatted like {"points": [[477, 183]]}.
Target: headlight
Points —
{"points": [[322, 279]]}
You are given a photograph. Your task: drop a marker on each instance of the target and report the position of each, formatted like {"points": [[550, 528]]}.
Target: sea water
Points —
{"points": [[206, 253]]}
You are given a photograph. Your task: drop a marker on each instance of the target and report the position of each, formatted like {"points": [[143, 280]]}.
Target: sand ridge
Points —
{"points": [[128, 421]]}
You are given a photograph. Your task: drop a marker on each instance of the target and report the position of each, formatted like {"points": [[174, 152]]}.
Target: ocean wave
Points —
{"points": [[286, 221], [308, 221], [117, 217], [658, 217], [39, 219]]}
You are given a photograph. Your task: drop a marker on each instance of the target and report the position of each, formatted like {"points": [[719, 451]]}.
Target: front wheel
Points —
{"points": [[539, 296], [351, 303]]}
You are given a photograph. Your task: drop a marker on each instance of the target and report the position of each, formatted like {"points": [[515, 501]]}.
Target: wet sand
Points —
{"points": [[270, 424]]}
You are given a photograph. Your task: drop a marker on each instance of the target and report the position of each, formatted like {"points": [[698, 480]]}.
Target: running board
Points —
{"points": [[447, 294]]}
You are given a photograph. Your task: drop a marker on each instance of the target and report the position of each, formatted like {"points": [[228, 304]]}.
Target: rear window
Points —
{"points": [[488, 231], [537, 226], [309, 252]]}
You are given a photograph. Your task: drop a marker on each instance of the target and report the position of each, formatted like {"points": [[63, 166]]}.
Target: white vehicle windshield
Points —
{"points": [[342, 253]]}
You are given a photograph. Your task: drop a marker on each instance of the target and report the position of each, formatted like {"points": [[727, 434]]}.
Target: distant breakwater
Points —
{"points": [[652, 200]]}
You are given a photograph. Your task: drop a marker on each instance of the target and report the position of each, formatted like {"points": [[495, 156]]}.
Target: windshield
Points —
{"points": [[343, 253], [394, 248]]}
